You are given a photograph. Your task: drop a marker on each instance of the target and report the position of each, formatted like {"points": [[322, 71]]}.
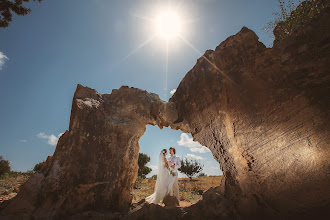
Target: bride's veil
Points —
{"points": [[164, 182]]}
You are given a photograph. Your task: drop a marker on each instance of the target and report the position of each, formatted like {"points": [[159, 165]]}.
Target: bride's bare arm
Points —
{"points": [[166, 164]]}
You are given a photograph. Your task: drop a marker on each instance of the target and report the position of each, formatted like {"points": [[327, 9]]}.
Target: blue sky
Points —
{"points": [[45, 54]]}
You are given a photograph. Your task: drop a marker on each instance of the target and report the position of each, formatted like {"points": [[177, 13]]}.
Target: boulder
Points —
{"points": [[170, 201]]}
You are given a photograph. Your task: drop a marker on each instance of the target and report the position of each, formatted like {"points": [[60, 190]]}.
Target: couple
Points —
{"points": [[167, 177]]}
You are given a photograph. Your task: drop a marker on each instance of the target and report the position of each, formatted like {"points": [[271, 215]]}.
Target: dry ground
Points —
{"points": [[10, 183], [190, 192]]}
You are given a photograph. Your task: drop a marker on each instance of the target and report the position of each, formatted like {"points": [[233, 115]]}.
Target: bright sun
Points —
{"points": [[168, 25]]}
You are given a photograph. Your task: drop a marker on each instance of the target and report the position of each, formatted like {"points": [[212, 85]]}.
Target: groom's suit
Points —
{"points": [[176, 160]]}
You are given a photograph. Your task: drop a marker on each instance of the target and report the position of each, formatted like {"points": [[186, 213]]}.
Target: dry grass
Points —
{"points": [[189, 191], [10, 183]]}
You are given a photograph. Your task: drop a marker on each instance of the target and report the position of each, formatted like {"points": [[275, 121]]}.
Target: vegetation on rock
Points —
{"points": [[38, 166], [291, 17]]}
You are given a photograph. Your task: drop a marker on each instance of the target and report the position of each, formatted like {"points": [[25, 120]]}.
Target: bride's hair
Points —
{"points": [[164, 151]]}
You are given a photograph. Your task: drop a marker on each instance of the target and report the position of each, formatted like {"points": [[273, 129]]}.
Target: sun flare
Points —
{"points": [[168, 25]]}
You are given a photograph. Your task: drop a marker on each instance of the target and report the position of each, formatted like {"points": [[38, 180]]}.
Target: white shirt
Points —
{"points": [[176, 160]]}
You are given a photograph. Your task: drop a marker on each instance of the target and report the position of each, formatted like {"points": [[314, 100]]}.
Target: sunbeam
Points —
{"points": [[114, 65], [143, 17], [139, 47], [166, 69], [209, 61]]}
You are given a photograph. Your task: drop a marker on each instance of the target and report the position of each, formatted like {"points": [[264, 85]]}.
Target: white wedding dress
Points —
{"points": [[164, 182]]}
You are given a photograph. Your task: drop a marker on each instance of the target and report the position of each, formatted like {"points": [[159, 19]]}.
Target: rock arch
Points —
{"points": [[268, 128], [95, 162]]}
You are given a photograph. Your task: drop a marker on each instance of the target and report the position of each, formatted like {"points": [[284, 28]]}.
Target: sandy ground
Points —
{"points": [[190, 192]]}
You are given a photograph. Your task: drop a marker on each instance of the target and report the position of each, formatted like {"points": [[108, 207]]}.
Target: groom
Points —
{"points": [[175, 164]]}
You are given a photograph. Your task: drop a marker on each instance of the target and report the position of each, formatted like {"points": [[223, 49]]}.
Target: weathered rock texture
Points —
{"points": [[269, 127], [95, 162], [264, 114], [171, 201]]}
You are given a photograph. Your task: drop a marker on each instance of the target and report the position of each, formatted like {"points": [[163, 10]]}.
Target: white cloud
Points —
{"points": [[42, 135], [173, 91], [51, 139], [22, 140], [153, 167], [3, 59], [193, 146], [193, 156]]}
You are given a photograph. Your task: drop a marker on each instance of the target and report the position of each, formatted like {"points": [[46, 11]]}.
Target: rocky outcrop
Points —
{"points": [[263, 113], [153, 211], [212, 206], [95, 162], [170, 201]]}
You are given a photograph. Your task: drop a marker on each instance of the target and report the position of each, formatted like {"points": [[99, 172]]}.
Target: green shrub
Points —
{"points": [[291, 17], [29, 172], [4, 166], [154, 177], [38, 166], [202, 175]]}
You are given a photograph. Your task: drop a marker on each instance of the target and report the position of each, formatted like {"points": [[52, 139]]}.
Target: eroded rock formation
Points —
{"points": [[264, 114], [269, 125], [95, 162]]}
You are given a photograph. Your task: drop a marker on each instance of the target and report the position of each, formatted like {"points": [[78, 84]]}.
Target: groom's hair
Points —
{"points": [[172, 148]]}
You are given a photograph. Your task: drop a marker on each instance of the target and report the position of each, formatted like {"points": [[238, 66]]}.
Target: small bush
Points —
{"points": [[154, 177], [29, 172], [38, 166], [291, 17], [4, 166], [202, 175]]}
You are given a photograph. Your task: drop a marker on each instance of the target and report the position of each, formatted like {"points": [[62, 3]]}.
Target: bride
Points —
{"points": [[164, 180]]}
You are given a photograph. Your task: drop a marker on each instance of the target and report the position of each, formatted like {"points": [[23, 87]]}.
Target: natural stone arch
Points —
{"points": [[268, 128], [95, 162]]}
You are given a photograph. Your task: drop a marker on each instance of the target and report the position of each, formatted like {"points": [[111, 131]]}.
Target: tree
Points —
{"points": [[38, 166], [190, 167], [4, 166], [143, 169], [9, 6]]}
